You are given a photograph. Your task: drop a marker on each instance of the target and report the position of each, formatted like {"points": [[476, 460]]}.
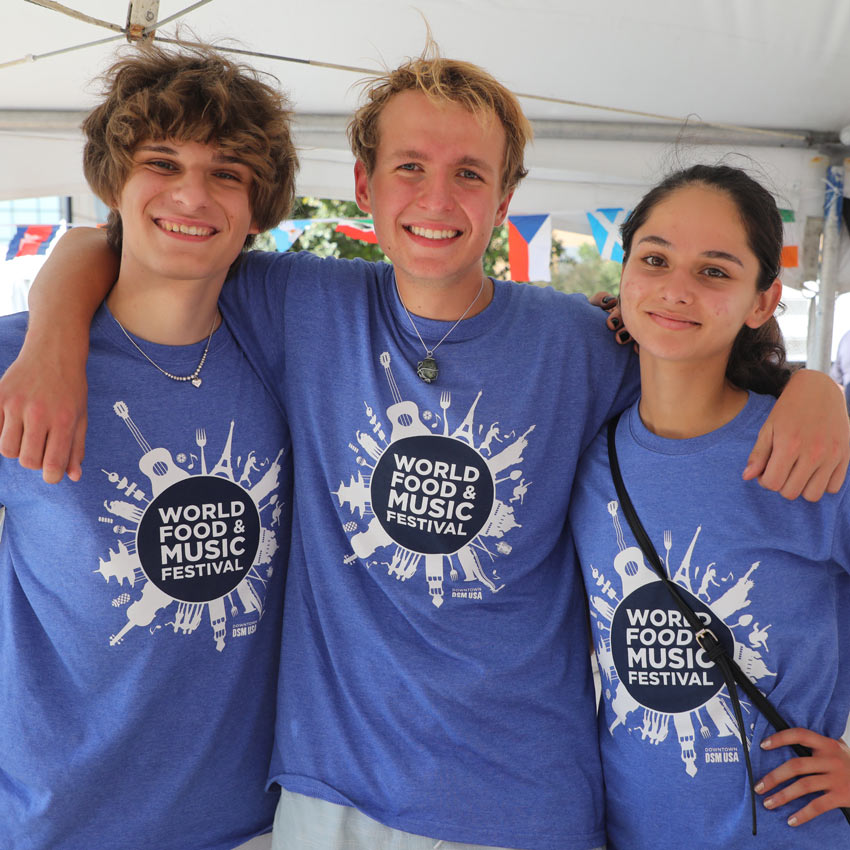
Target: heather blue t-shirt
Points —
{"points": [[768, 576], [140, 609], [435, 663]]}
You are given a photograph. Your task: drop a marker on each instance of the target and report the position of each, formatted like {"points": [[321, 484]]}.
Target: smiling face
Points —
{"points": [[185, 211], [689, 284], [435, 192]]}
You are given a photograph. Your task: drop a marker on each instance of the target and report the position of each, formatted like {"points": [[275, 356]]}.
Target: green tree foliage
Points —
{"points": [[264, 242], [496, 259], [586, 273], [323, 241]]}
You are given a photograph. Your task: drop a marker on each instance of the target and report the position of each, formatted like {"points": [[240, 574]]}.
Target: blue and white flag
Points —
{"points": [[605, 226], [287, 232]]}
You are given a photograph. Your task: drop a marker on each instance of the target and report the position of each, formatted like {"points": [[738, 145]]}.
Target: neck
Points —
{"points": [[445, 301], [679, 402], [167, 313]]}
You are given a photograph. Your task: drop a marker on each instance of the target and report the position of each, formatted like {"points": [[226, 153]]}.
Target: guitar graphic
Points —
{"points": [[404, 415], [157, 464], [633, 573], [629, 561]]}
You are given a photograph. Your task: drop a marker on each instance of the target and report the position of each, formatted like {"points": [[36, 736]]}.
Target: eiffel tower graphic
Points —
{"points": [[465, 431], [224, 466]]}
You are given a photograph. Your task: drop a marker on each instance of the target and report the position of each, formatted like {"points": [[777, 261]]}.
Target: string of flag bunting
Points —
{"points": [[287, 232], [529, 238]]}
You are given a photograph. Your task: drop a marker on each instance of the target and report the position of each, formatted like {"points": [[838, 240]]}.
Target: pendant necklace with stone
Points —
{"points": [[195, 377], [426, 368]]}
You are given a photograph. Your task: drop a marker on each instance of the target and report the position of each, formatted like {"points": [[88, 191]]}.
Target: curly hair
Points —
{"points": [[191, 95], [757, 360], [444, 80]]}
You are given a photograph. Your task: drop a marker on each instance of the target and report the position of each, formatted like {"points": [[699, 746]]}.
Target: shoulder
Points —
{"points": [[13, 329], [758, 409], [302, 265], [552, 307]]}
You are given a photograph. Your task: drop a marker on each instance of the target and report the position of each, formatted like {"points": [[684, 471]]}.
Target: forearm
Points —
{"points": [[65, 295]]}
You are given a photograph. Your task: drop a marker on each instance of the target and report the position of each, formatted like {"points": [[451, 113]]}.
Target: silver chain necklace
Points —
{"points": [[194, 377], [427, 369]]}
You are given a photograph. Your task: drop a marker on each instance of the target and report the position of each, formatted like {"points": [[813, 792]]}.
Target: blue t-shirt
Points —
{"points": [[140, 609], [768, 576], [435, 663]]}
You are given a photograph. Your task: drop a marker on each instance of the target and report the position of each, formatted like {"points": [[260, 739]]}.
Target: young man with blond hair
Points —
{"points": [[434, 684], [141, 607]]}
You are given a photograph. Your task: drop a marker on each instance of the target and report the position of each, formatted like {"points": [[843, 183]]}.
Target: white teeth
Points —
{"points": [[188, 230], [433, 234]]}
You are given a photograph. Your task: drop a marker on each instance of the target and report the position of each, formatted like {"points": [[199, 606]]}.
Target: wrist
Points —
{"points": [[67, 342]]}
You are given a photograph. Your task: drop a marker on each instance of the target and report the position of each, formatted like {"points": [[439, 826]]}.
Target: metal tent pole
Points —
{"points": [[821, 349]]}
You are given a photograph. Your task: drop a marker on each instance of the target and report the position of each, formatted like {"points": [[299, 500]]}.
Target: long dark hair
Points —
{"points": [[757, 360]]}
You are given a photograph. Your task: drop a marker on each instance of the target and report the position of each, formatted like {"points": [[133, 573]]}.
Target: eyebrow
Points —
{"points": [[217, 157], [471, 161], [713, 255]]}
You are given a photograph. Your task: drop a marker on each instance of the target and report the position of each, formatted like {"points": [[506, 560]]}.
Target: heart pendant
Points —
{"points": [[196, 382]]}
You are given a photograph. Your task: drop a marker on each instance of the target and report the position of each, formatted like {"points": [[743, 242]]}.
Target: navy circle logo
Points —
{"points": [[198, 539], [432, 494], [656, 653]]}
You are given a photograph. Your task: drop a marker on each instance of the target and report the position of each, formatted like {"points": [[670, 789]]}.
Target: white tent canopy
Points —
{"points": [[777, 65]]}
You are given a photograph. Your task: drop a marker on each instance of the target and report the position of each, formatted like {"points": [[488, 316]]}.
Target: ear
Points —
{"points": [[765, 305], [502, 210], [361, 187]]}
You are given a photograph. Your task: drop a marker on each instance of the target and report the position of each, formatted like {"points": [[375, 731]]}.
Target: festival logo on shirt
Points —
{"points": [[654, 670], [435, 491], [199, 543]]}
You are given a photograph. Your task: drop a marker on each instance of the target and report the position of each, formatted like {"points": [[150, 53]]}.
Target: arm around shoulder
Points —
{"points": [[804, 446], [43, 393]]}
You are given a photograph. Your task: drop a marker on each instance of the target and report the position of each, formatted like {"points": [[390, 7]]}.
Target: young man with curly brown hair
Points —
{"points": [[141, 607]]}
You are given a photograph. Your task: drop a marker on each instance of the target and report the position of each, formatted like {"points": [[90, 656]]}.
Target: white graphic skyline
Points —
{"points": [[728, 598], [146, 604], [473, 567]]}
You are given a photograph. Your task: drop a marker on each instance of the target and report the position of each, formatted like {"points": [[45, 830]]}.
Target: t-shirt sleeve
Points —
{"points": [[13, 328], [252, 303], [841, 535], [612, 371]]}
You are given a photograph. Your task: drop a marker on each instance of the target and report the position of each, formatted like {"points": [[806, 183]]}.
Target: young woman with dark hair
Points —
{"points": [[770, 578]]}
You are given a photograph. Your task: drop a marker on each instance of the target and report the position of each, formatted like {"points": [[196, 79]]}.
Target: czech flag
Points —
{"points": [[32, 239], [360, 228], [530, 247]]}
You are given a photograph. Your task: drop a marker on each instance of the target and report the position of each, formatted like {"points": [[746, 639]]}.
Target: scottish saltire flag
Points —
{"points": [[287, 232], [605, 226], [790, 241], [530, 247], [32, 239], [358, 228]]}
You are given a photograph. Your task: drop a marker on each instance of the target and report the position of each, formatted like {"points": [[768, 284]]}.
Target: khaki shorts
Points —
{"points": [[307, 823]]}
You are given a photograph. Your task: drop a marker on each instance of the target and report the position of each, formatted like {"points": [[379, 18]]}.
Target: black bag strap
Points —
{"points": [[706, 639]]}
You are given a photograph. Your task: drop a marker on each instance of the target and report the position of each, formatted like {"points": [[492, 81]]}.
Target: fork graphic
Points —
{"points": [[445, 404], [668, 544], [201, 440], [703, 729]]}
